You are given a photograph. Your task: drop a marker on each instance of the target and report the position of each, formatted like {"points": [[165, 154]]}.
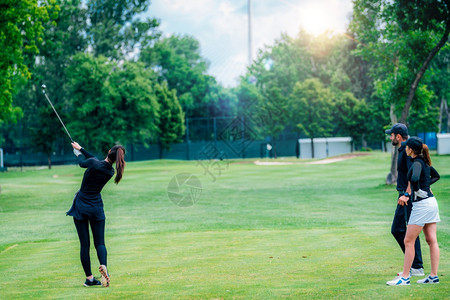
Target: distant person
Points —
{"points": [[87, 207], [425, 211], [398, 135]]}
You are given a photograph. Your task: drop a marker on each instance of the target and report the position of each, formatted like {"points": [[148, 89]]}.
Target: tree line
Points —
{"points": [[114, 77]]}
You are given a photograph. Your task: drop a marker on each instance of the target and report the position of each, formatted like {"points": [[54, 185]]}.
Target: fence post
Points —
{"points": [[215, 130], [243, 137], [187, 138], [21, 146]]}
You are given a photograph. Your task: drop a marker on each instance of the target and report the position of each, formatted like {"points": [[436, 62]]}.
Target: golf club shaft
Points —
{"points": [[58, 116], [406, 214]]}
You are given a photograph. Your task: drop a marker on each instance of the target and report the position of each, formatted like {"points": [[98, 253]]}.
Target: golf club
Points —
{"points": [[43, 87]]}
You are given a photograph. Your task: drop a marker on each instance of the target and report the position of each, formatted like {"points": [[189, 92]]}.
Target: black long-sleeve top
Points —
{"points": [[403, 165], [98, 173], [422, 176]]}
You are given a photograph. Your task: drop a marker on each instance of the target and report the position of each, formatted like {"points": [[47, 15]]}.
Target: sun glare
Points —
{"points": [[316, 20]]}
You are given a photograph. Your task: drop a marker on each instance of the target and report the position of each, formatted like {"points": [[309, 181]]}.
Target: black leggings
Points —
{"points": [[98, 232]]}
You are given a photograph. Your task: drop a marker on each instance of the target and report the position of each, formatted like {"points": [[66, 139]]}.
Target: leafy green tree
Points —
{"points": [[293, 60], [21, 33], [437, 79], [111, 103], [283, 64], [400, 38], [272, 113], [171, 118], [265, 109], [221, 101], [72, 32], [45, 135], [248, 95], [311, 107], [351, 116], [180, 64], [62, 38], [115, 28], [91, 113], [136, 108], [432, 17]]}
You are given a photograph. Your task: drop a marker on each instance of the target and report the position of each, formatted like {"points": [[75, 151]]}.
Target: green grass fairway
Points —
{"points": [[257, 232]]}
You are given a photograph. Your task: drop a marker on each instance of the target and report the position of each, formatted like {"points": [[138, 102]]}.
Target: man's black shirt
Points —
{"points": [[403, 165]]}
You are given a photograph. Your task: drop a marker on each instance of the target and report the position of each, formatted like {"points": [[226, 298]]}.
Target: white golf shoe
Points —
{"points": [[399, 281], [429, 279]]}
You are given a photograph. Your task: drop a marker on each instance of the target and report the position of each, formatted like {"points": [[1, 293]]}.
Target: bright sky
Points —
{"points": [[221, 26]]}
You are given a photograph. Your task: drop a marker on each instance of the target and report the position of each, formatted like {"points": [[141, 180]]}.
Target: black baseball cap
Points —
{"points": [[398, 128], [415, 143]]}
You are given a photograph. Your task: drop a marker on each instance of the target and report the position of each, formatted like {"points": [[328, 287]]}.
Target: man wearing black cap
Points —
{"points": [[398, 136]]}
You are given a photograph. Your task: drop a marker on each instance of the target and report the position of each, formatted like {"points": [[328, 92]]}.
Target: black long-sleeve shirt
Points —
{"points": [[422, 176], [403, 165], [98, 173]]}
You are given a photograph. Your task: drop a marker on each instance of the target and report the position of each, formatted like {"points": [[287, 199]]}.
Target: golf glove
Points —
{"points": [[76, 152], [421, 193]]}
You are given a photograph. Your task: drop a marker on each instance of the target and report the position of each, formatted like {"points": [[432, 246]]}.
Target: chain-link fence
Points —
{"points": [[206, 138]]}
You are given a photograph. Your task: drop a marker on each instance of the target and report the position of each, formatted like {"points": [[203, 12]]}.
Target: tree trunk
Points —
{"points": [[443, 111], [447, 111], [312, 148], [363, 142], [49, 158], [391, 178], [422, 70]]}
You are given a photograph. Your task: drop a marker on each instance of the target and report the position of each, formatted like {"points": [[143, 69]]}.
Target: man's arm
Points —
{"points": [[403, 165]]}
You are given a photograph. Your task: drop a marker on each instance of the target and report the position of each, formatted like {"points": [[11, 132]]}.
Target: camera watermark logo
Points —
{"points": [[184, 189], [238, 136], [211, 159]]}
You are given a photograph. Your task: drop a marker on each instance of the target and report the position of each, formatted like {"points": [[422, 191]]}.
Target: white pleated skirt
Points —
{"points": [[424, 212]]}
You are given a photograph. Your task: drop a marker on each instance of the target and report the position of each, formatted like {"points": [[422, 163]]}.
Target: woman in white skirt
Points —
{"points": [[425, 211]]}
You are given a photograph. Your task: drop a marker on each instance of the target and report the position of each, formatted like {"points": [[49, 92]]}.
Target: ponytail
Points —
{"points": [[426, 155], [117, 155]]}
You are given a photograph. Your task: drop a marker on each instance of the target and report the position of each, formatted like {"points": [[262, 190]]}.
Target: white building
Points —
{"points": [[325, 147]]}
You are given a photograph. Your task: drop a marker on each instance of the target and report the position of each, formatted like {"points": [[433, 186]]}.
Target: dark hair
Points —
{"points": [[419, 148], [117, 155]]}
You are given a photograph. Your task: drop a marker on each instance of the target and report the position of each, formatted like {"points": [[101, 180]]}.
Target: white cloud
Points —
{"points": [[181, 7], [221, 26]]}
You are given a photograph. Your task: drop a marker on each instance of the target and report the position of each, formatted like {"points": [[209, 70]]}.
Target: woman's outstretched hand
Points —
{"points": [[76, 146]]}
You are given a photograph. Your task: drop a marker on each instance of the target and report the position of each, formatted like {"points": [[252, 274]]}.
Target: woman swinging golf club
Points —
{"points": [[87, 207]]}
